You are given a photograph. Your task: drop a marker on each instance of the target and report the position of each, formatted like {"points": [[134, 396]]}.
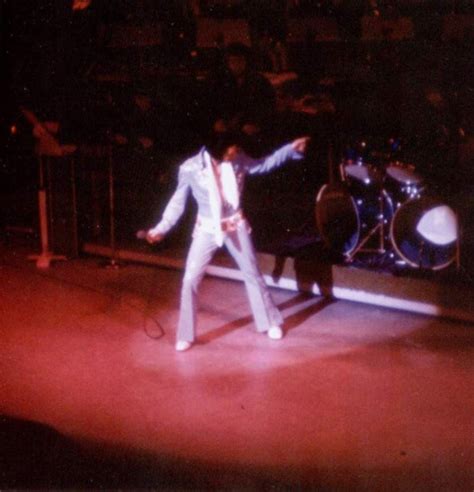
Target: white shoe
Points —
{"points": [[182, 345], [275, 333]]}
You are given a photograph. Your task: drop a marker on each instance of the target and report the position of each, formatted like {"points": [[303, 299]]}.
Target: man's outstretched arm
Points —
{"points": [[292, 151]]}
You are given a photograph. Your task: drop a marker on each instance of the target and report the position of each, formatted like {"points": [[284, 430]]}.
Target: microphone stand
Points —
{"points": [[113, 261]]}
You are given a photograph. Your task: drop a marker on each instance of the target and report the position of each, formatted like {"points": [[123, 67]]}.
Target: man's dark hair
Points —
{"points": [[218, 142]]}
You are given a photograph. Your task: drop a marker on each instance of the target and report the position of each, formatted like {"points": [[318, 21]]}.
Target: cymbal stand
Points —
{"points": [[379, 229]]}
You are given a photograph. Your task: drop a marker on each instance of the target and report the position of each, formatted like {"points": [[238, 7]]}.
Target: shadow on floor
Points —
{"points": [[290, 322], [34, 455]]}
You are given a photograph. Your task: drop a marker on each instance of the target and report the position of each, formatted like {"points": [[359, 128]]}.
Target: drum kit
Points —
{"points": [[381, 207]]}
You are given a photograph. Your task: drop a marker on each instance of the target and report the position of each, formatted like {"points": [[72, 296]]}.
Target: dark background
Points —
{"points": [[84, 69]]}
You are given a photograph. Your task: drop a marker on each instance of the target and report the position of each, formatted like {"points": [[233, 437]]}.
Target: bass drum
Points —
{"points": [[337, 218], [344, 217], [424, 232]]}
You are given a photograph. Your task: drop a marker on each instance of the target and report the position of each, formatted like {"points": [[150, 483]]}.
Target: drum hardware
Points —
{"points": [[355, 210], [423, 233], [372, 202], [391, 207], [402, 182], [379, 231], [420, 253]]}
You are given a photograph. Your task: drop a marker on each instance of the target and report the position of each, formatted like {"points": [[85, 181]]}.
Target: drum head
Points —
{"points": [[366, 175], [337, 218], [403, 174], [360, 173], [402, 182], [424, 232]]}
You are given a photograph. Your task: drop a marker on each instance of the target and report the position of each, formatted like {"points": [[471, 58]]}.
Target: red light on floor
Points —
{"points": [[13, 129]]}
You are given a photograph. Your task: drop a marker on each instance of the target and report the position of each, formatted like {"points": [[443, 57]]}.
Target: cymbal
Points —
{"points": [[364, 173]]}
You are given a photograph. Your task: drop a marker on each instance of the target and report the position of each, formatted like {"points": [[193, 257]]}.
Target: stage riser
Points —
{"points": [[352, 284]]}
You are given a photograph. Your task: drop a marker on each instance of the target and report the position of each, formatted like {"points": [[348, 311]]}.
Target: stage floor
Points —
{"points": [[355, 397]]}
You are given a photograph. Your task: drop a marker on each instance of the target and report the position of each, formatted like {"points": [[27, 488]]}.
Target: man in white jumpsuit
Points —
{"points": [[215, 177]]}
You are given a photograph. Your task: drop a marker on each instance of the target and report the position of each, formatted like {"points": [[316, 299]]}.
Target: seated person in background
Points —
{"points": [[138, 128], [238, 97]]}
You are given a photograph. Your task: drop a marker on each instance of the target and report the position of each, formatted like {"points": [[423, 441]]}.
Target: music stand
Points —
{"points": [[47, 147]]}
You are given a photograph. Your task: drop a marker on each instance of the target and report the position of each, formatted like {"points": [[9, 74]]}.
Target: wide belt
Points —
{"points": [[228, 224]]}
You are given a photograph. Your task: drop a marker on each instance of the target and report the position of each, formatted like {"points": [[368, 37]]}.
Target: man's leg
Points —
{"points": [[200, 254], [265, 313]]}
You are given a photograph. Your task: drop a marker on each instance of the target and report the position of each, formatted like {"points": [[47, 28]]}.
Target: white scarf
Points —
{"points": [[229, 190], [229, 185]]}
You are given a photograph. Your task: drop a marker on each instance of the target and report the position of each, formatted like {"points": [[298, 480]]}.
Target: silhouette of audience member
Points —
{"points": [[268, 29], [138, 129], [239, 98]]}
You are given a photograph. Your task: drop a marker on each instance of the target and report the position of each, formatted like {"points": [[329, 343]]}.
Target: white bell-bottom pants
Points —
{"points": [[240, 246]]}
